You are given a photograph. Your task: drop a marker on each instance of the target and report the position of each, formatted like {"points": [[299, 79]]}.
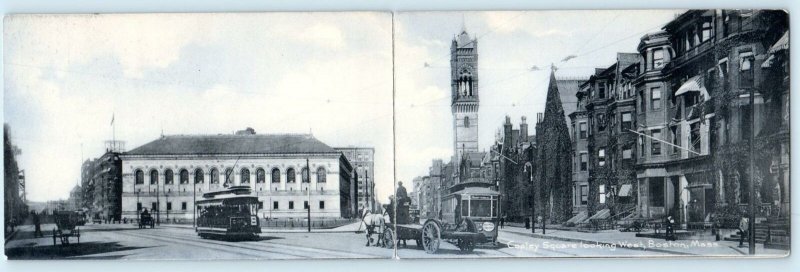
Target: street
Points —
{"points": [[173, 242], [122, 241]]}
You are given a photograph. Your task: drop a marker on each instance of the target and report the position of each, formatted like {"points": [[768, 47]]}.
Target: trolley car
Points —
{"points": [[230, 213], [477, 207]]}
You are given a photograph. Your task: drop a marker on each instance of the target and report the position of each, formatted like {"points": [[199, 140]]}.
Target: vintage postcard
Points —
{"points": [[485, 134]]}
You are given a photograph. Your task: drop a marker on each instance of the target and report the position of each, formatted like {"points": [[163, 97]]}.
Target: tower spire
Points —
{"points": [[463, 23]]}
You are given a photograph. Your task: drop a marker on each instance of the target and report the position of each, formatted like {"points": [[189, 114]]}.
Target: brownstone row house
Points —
{"points": [[666, 130]]}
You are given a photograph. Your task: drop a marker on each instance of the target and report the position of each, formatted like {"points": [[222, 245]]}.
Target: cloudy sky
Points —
{"points": [[509, 44], [329, 73]]}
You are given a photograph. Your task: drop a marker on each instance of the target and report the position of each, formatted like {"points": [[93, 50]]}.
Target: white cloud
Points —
{"points": [[190, 74]]}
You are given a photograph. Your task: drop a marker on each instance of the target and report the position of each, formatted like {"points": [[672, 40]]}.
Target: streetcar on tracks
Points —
{"points": [[230, 213], [469, 218]]}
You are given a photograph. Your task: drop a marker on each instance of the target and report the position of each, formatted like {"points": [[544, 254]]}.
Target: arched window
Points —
{"points": [[168, 176], [322, 175], [260, 175], [199, 176], [245, 175], [184, 176], [139, 176], [466, 121], [154, 176], [290, 175], [229, 176], [214, 176], [276, 175], [305, 175]]}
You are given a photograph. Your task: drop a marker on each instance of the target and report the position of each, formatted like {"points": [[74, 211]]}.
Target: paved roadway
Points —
{"points": [[128, 242]]}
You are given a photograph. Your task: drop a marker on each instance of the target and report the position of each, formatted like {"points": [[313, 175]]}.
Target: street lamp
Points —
{"points": [[529, 170]]}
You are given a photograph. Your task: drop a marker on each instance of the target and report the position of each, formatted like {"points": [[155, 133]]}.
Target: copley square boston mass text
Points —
{"points": [[406, 135]]}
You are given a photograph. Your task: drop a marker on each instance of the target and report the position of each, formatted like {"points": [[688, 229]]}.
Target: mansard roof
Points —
{"points": [[234, 144]]}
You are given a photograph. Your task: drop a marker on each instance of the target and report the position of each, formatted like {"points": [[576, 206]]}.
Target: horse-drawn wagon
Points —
{"points": [[66, 226], [468, 217], [146, 220]]}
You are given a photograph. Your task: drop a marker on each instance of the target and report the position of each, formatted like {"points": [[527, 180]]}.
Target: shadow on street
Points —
{"points": [[65, 251]]}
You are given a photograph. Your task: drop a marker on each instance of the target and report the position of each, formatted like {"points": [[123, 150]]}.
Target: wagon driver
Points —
{"points": [[401, 196]]}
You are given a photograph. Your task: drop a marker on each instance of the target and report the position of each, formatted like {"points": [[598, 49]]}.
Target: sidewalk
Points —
{"points": [[629, 240], [352, 227]]}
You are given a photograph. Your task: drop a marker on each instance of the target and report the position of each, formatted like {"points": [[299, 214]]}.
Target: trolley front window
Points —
{"points": [[480, 208]]}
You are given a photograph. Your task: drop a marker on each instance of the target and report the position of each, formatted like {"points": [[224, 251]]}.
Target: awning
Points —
{"points": [[625, 190], [781, 44], [694, 84]]}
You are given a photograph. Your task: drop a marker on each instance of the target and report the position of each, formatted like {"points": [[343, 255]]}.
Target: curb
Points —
{"points": [[11, 235], [565, 239]]}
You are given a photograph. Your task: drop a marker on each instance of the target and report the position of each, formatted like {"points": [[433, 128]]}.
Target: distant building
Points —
{"points": [[101, 187], [363, 161], [168, 174]]}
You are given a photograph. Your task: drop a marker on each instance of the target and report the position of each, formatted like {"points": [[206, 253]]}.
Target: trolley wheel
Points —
{"points": [[388, 238], [466, 245], [431, 236]]}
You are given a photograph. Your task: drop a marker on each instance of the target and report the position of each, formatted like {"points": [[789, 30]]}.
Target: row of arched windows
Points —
{"points": [[199, 176]]}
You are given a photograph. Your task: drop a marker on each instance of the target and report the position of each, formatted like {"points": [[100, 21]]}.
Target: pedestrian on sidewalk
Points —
{"points": [[503, 221], [670, 235], [37, 223], [744, 229]]}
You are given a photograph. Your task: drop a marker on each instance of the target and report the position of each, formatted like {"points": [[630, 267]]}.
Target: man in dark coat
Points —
{"points": [[37, 223], [401, 198]]}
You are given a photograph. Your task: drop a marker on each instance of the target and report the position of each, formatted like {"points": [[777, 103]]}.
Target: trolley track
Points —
{"points": [[271, 247]]}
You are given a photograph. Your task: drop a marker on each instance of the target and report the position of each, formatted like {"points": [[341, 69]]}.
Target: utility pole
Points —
{"points": [[158, 203], [194, 202], [751, 237], [308, 189]]}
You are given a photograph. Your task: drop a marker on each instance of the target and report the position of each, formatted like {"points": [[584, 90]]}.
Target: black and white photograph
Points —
{"points": [[388, 134], [197, 136], [606, 133]]}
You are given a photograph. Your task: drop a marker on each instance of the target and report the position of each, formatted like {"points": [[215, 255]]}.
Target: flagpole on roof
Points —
{"points": [[113, 133]]}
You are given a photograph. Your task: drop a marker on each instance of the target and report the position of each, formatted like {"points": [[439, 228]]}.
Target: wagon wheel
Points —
{"points": [[388, 238], [466, 245], [431, 236]]}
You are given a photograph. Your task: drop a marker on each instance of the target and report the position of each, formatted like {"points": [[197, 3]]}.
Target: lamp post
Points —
{"points": [[529, 169]]}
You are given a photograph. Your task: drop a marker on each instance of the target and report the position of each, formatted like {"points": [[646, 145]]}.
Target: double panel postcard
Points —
{"points": [[613, 133]]}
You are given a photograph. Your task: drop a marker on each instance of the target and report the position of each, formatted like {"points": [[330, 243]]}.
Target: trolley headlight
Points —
{"points": [[488, 226]]}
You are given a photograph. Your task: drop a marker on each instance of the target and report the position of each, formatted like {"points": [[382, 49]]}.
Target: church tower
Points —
{"points": [[465, 93]]}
